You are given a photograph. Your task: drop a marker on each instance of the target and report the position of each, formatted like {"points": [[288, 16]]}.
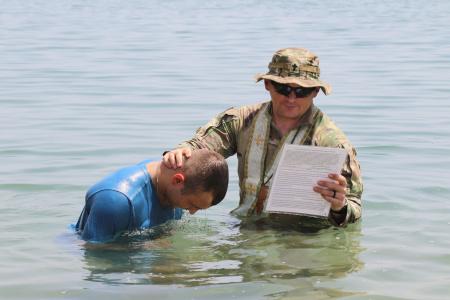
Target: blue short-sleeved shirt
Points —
{"points": [[122, 201]]}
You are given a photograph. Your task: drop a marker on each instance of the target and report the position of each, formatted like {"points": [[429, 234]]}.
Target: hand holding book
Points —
{"points": [[298, 172]]}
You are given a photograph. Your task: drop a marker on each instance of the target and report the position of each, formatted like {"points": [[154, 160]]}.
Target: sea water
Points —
{"points": [[88, 87]]}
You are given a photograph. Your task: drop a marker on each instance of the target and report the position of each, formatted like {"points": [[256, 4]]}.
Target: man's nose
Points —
{"points": [[292, 95]]}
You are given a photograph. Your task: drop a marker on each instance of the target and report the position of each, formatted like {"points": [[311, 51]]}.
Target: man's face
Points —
{"points": [[190, 201], [288, 107]]}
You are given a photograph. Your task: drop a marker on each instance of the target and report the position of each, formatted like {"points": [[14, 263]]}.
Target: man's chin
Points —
{"points": [[291, 115]]}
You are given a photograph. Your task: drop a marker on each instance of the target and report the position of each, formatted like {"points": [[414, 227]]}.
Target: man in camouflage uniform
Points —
{"points": [[256, 133]]}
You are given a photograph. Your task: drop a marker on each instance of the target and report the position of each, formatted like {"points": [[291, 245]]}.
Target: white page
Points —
{"points": [[298, 171]]}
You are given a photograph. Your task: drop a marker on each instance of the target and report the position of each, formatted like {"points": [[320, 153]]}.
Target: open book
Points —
{"points": [[298, 171]]}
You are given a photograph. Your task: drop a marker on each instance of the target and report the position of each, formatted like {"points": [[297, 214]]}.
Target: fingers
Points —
{"points": [[340, 179], [336, 198], [187, 152], [330, 193], [179, 156], [333, 190], [330, 186], [336, 204], [168, 160], [174, 159]]}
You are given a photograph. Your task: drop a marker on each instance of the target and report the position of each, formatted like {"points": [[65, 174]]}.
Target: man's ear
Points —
{"points": [[266, 84], [177, 179], [316, 92]]}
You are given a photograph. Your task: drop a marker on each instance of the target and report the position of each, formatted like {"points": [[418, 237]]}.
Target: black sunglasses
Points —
{"points": [[286, 90]]}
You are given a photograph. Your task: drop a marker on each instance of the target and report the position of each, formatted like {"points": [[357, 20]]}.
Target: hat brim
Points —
{"points": [[325, 87]]}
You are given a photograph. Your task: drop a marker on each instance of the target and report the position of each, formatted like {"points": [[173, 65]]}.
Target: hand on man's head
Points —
{"points": [[174, 159]]}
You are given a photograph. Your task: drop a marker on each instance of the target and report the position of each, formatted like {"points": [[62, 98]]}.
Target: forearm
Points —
{"points": [[352, 210], [191, 144], [350, 213], [213, 144], [218, 135]]}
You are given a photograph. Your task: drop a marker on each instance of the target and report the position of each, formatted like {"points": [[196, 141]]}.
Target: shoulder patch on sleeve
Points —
{"points": [[230, 113], [225, 116]]}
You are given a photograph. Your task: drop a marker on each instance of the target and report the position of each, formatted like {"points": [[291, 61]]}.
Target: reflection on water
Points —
{"points": [[90, 86], [198, 252]]}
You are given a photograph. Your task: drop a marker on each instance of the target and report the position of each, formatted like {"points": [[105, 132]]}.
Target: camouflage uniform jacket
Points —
{"points": [[229, 133]]}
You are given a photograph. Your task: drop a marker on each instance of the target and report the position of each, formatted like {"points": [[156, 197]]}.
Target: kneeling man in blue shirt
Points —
{"points": [[149, 194]]}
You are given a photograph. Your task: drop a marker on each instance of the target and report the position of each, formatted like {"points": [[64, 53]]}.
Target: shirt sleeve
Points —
{"points": [[219, 134], [328, 134], [352, 174]]}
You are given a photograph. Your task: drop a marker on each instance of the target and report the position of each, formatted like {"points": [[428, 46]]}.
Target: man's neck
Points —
{"points": [[155, 171], [285, 125]]}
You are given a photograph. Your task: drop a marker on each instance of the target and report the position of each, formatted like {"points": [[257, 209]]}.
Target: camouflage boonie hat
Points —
{"points": [[295, 65]]}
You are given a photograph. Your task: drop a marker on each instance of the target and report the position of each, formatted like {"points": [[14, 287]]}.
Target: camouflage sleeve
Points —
{"points": [[329, 135], [219, 134], [352, 174]]}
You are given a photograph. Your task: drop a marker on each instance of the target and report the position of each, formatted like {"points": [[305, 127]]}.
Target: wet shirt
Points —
{"points": [[230, 132], [122, 201]]}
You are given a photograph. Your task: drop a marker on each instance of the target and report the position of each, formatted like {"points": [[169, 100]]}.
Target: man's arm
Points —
{"points": [[343, 191], [219, 134], [106, 214], [352, 174], [327, 134]]}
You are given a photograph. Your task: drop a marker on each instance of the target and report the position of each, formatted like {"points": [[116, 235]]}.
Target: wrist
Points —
{"points": [[341, 210]]}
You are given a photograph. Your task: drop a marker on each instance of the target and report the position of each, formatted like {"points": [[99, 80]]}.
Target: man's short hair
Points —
{"points": [[206, 171]]}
